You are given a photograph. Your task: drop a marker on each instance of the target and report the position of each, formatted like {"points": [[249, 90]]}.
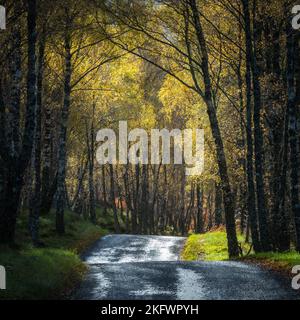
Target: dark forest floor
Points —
{"points": [[53, 271]]}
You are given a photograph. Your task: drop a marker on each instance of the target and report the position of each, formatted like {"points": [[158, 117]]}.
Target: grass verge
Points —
{"points": [[50, 272], [212, 246], [275, 261]]}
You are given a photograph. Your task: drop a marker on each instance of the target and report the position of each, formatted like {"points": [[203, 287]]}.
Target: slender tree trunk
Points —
{"points": [[281, 230], [129, 201], [47, 196], [210, 211], [293, 100], [296, 142], [91, 150], [36, 200], [190, 209], [15, 68], [104, 193], [182, 217], [2, 160], [62, 156], [136, 198], [153, 214], [113, 198], [242, 141], [251, 199], [81, 175], [233, 249], [144, 200], [200, 221], [259, 145], [19, 161], [218, 205], [10, 138]]}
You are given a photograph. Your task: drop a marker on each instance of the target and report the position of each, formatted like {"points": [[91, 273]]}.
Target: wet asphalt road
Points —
{"points": [[123, 267]]}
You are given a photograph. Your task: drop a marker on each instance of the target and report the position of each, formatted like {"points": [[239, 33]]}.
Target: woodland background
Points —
{"points": [[231, 67]]}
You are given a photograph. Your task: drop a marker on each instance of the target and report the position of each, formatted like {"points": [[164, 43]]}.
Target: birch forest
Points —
{"points": [[229, 67]]}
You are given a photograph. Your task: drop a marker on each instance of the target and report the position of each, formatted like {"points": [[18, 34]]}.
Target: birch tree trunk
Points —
{"points": [[251, 199], [36, 199], [91, 150], [60, 225], [81, 175], [233, 249], [47, 196]]}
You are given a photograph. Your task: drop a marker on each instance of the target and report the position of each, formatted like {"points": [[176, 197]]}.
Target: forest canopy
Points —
{"points": [[229, 67]]}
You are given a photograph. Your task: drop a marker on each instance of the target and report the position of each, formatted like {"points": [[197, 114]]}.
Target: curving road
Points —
{"points": [[125, 267]]}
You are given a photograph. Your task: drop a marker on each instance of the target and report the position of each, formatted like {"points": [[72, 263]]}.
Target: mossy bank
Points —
{"points": [[212, 246], [53, 271]]}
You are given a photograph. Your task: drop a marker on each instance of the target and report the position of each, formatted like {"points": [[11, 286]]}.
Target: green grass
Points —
{"points": [[276, 261], [211, 246], [193, 249], [40, 273], [53, 271]]}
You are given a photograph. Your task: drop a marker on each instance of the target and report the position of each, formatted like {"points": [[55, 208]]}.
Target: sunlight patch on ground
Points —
{"points": [[102, 286], [142, 249], [158, 250], [190, 285]]}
